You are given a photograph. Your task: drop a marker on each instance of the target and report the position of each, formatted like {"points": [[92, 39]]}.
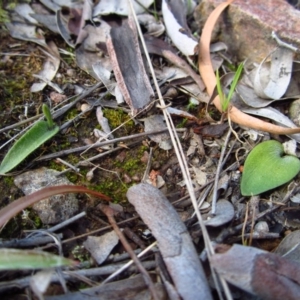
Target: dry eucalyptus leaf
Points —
{"points": [[26, 32], [86, 59], [296, 198], [250, 98], [49, 21], [157, 122], [174, 14], [51, 4], [120, 7], [224, 214], [290, 246], [273, 114], [129, 68], [200, 176], [181, 113], [101, 246], [217, 47], [40, 281], [103, 122], [86, 17], [174, 241], [25, 11], [104, 75], [264, 274], [55, 5], [96, 37], [62, 26], [275, 84], [154, 27], [50, 68]]}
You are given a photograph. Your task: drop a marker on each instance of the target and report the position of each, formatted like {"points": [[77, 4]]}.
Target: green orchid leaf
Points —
{"points": [[267, 167], [15, 259], [38, 134]]}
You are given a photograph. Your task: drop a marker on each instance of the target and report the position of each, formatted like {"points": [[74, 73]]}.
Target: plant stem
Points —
{"points": [[48, 116]]}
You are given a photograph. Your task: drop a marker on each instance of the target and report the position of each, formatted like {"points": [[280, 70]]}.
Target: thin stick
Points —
{"points": [[67, 222], [128, 264], [108, 211], [100, 144], [220, 163]]}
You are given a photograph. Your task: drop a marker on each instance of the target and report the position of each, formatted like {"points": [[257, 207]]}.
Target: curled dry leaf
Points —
{"points": [[279, 75], [174, 13], [155, 28], [209, 78]]}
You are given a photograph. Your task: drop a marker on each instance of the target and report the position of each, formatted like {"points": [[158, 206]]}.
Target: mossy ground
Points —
{"points": [[16, 78]]}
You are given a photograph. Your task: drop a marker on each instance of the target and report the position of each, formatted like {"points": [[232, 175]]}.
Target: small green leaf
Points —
{"points": [[14, 259], [30, 141], [235, 80], [266, 168], [48, 116], [225, 100]]}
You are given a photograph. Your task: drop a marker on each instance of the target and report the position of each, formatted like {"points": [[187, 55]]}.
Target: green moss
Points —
{"points": [[73, 177], [114, 188], [111, 182], [8, 181], [116, 117], [3, 14], [80, 253], [71, 114]]}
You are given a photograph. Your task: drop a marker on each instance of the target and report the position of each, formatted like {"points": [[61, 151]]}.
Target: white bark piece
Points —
{"points": [[177, 29]]}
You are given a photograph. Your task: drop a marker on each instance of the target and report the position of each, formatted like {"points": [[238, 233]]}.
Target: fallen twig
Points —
{"points": [[108, 211]]}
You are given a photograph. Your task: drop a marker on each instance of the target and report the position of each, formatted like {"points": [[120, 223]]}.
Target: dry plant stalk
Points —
{"points": [[108, 211]]}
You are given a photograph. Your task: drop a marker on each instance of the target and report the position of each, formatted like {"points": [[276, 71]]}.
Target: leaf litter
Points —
{"points": [[92, 39]]}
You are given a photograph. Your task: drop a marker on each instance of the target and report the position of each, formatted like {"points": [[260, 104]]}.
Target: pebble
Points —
{"points": [[55, 209]]}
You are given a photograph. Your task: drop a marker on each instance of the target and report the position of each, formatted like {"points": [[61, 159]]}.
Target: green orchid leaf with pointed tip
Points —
{"points": [[37, 135], [267, 167], [15, 259]]}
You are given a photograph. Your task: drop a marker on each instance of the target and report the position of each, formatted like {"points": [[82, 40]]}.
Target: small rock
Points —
{"points": [[71, 72], [52, 210], [262, 227], [246, 26], [294, 112]]}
